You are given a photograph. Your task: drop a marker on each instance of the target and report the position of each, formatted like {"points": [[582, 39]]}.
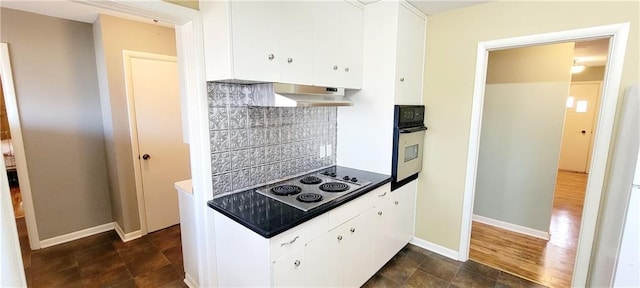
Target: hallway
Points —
{"points": [[549, 263]]}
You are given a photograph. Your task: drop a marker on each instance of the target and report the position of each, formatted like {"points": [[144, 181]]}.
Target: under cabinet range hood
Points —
{"points": [[291, 95]]}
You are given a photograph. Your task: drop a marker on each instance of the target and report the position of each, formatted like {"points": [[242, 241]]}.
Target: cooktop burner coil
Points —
{"points": [[310, 180], [334, 187], [309, 197], [286, 190]]}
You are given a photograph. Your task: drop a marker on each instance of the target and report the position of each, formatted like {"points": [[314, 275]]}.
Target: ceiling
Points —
{"points": [[76, 11], [70, 10], [591, 52], [431, 7]]}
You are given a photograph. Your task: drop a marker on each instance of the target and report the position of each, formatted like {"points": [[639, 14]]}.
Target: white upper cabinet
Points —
{"points": [[410, 56], [298, 42], [338, 29], [255, 40]]}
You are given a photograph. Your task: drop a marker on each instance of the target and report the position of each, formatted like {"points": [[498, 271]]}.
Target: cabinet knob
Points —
{"points": [[379, 212], [339, 237], [271, 56], [335, 67], [396, 202], [352, 230], [402, 79], [289, 60], [346, 69], [297, 263], [146, 156]]}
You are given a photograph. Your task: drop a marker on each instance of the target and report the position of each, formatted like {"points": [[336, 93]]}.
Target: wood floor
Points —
{"points": [[546, 262]]}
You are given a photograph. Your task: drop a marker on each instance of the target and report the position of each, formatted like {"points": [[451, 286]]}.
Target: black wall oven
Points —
{"points": [[408, 142]]}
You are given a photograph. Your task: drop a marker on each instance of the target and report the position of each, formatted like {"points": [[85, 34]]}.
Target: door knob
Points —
{"points": [[146, 156], [583, 132]]}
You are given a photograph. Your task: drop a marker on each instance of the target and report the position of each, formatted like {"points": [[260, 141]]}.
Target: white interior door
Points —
{"points": [[164, 158], [582, 103]]}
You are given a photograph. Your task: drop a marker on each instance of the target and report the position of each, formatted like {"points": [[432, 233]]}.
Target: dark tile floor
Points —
{"points": [[155, 260], [416, 267], [103, 260]]}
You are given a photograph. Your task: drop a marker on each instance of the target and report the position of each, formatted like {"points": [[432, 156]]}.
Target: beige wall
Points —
{"points": [[544, 63], [451, 44], [112, 35], [56, 85], [589, 74]]}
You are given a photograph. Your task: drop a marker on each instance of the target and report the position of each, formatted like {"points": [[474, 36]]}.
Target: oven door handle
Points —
{"points": [[413, 129]]}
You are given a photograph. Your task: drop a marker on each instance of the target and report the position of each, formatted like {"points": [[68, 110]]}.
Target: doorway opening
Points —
{"points": [[618, 34], [525, 222]]}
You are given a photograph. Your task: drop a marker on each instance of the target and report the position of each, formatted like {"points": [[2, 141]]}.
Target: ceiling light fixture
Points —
{"points": [[576, 68]]}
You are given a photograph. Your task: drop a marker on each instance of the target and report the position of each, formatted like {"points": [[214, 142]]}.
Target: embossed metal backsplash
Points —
{"points": [[251, 146]]}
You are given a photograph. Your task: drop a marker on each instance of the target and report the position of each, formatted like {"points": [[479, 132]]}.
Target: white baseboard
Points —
{"points": [[189, 281], [444, 251], [511, 227], [128, 236], [75, 235]]}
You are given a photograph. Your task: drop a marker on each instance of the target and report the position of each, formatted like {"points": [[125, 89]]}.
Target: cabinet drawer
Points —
{"points": [[289, 241], [352, 209]]}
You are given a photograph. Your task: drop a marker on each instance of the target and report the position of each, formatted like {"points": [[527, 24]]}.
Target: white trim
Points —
{"points": [[76, 235], [511, 227], [125, 237], [433, 247], [595, 185], [189, 281], [190, 42], [127, 55], [13, 116]]}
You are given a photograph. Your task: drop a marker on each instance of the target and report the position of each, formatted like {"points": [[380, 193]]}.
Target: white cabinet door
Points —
{"points": [[327, 43], [296, 42], [402, 212], [289, 271], [381, 221], [323, 254], [357, 254], [255, 40], [352, 41], [410, 50]]}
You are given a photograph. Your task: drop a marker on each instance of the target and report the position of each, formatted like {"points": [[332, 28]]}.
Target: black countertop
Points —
{"points": [[269, 217]]}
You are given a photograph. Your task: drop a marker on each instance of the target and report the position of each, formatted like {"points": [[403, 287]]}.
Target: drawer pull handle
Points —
{"points": [[379, 212], [396, 202], [383, 194], [339, 237], [297, 263], [290, 242], [352, 230]]}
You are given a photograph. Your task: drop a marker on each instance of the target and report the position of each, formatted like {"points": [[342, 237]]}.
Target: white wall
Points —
{"points": [[365, 130]]}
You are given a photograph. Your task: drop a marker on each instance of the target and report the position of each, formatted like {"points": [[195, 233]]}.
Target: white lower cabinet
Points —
{"points": [[342, 257], [341, 248], [324, 264], [290, 271], [393, 224]]}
